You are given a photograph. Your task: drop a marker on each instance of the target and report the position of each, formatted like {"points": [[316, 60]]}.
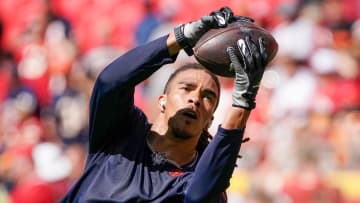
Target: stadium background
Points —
{"points": [[305, 131]]}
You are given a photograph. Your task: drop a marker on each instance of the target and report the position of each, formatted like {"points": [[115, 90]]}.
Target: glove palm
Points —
{"points": [[248, 71]]}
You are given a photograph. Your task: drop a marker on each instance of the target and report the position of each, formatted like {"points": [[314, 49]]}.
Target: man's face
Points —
{"points": [[190, 102]]}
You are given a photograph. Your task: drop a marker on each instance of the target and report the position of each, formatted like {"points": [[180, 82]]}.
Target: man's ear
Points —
{"points": [[162, 102]]}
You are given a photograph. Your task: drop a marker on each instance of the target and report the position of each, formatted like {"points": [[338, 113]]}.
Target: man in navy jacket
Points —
{"points": [[170, 160]]}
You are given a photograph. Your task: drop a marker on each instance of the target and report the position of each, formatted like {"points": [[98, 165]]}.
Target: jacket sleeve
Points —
{"points": [[216, 165], [112, 102]]}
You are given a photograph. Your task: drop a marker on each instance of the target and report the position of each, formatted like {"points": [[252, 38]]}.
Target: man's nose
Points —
{"points": [[195, 99]]}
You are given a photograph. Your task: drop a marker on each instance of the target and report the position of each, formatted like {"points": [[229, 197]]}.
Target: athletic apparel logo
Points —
{"points": [[176, 172], [242, 46], [158, 157], [220, 19]]}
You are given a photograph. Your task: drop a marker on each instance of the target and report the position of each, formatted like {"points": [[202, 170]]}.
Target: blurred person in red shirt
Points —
{"points": [[27, 186]]}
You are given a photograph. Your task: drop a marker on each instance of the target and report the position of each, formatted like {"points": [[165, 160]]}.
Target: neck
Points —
{"points": [[180, 151]]}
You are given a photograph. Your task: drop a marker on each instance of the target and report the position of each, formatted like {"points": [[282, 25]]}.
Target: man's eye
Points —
{"points": [[208, 97], [185, 88]]}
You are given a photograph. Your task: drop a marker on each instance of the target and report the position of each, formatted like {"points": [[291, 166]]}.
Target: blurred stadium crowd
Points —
{"points": [[305, 131]]}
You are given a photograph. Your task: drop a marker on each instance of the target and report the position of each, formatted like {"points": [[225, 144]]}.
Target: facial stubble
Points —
{"points": [[179, 132]]}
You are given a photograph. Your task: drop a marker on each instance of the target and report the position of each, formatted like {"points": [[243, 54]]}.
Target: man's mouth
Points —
{"points": [[190, 114]]}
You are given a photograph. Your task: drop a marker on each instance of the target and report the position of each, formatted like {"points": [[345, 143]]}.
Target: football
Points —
{"points": [[210, 50]]}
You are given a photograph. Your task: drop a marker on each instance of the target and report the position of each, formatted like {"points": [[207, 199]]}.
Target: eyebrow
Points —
{"points": [[191, 84], [187, 83]]}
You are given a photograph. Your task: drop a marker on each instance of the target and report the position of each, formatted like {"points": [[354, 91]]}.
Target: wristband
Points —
{"points": [[182, 41]]}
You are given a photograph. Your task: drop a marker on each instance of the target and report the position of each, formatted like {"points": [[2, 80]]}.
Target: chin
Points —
{"points": [[184, 133], [183, 129]]}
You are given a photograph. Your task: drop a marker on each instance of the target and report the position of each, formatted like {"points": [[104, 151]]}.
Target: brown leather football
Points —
{"points": [[210, 50]]}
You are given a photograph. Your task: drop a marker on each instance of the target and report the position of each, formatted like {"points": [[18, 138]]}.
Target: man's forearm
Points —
{"points": [[236, 118], [173, 46], [112, 96], [215, 167]]}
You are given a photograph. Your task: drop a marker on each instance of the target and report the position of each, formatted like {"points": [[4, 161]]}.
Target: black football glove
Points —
{"points": [[188, 34], [248, 69]]}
